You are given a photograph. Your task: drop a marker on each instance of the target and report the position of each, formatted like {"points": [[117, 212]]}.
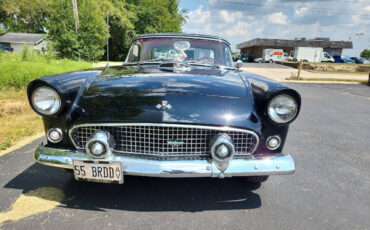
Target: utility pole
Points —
{"points": [[107, 39], [77, 20], [75, 14], [299, 69], [358, 42]]}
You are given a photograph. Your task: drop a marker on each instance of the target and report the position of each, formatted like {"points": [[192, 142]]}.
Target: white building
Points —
{"points": [[18, 41]]}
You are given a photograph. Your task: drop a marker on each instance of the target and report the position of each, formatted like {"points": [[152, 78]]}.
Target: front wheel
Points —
{"points": [[271, 61], [255, 179]]}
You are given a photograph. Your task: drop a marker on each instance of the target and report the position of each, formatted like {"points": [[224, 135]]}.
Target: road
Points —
{"points": [[330, 189]]}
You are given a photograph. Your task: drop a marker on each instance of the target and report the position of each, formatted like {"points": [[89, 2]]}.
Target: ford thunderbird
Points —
{"points": [[177, 107]]}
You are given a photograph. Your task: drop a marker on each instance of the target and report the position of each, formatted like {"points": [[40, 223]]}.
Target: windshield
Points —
{"points": [[196, 51]]}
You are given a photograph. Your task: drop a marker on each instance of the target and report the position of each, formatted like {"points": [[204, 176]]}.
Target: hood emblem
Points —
{"points": [[175, 143], [164, 105]]}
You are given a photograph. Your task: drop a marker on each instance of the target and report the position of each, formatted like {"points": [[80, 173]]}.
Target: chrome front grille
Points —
{"points": [[165, 140]]}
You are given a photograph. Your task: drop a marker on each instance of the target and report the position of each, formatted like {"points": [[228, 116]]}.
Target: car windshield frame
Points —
{"points": [[143, 47]]}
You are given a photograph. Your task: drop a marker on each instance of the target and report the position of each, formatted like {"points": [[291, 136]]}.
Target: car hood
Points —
{"points": [[200, 96], [206, 82]]}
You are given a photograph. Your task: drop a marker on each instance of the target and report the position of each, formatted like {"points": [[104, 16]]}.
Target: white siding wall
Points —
{"points": [[18, 47]]}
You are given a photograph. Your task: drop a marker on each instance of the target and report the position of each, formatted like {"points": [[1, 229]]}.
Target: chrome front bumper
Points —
{"points": [[278, 164]]}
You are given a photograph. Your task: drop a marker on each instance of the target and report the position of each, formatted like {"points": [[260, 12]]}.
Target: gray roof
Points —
{"points": [[317, 42], [21, 38]]}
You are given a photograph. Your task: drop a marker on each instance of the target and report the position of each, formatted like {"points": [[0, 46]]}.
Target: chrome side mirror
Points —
{"points": [[238, 64]]}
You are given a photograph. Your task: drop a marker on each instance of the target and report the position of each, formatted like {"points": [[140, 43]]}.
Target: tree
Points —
{"points": [[365, 53], [62, 32], [127, 18], [91, 34], [157, 16], [88, 42], [29, 16], [121, 28]]}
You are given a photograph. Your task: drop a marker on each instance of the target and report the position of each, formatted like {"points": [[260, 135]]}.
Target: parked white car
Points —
{"points": [[326, 57], [258, 60]]}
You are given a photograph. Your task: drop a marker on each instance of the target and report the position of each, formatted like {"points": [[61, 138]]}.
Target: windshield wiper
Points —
{"points": [[154, 61], [195, 63]]}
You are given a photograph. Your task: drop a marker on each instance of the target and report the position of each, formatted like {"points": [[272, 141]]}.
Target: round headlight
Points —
{"points": [[46, 100], [282, 108]]}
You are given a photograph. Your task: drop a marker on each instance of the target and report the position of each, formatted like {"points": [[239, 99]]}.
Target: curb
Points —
{"points": [[21, 143]]}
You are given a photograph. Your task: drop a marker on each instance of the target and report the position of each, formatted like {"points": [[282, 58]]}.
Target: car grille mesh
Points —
{"points": [[165, 140]]}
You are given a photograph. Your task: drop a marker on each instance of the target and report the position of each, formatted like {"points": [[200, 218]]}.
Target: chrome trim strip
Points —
{"points": [[182, 36], [218, 128], [254, 166]]}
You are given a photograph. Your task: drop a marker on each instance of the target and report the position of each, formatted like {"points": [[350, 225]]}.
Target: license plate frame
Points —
{"points": [[98, 171]]}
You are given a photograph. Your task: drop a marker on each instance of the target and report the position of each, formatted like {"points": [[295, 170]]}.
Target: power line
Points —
{"points": [[320, 10], [287, 7]]}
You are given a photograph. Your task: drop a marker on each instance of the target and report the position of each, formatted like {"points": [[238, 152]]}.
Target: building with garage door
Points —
{"points": [[18, 41], [255, 47]]}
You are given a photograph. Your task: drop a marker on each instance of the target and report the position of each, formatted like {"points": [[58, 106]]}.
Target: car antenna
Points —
{"points": [[107, 66]]}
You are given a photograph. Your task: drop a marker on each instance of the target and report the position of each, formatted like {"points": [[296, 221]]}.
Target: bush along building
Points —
{"points": [[255, 47]]}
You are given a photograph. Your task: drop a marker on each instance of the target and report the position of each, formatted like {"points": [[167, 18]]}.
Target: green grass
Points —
{"points": [[18, 69], [17, 119]]}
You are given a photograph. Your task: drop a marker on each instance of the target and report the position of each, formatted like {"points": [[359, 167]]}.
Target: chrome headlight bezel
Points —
{"points": [[291, 102], [54, 98]]}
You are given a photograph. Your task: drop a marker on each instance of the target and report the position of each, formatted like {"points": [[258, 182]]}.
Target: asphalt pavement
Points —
{"points": [[329, 190]]}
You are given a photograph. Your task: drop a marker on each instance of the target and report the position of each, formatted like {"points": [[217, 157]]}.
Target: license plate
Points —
{"points": [[98, 171]]}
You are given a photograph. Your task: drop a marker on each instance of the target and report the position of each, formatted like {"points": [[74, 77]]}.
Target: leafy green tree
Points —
{"points": [[91, 34], [127, 18], [62, 32], [157, 16], [121, 28], [365, 53], [89, 40], [29, 16]]}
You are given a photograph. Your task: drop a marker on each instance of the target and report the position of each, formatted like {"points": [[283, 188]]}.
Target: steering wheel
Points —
{"points": [[214, 61]]}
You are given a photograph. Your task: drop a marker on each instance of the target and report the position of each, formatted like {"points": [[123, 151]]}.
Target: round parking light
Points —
{"points": [[273, 142], [54, 135]]}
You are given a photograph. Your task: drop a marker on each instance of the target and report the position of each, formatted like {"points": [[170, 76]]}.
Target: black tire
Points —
{"points": [[271, 61], [255, 179]]}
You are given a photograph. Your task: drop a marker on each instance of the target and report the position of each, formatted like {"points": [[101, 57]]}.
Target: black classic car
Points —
{"points": [[178, 107]]}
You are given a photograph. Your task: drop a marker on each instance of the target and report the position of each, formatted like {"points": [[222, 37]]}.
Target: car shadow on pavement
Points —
{"points": [[142, 193]]}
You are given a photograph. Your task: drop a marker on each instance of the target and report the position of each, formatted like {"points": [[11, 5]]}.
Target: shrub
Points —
{"points": [[25, 53]]}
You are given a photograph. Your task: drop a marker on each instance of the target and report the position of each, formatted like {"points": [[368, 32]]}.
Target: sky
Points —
{"points": [[242, 20]]}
